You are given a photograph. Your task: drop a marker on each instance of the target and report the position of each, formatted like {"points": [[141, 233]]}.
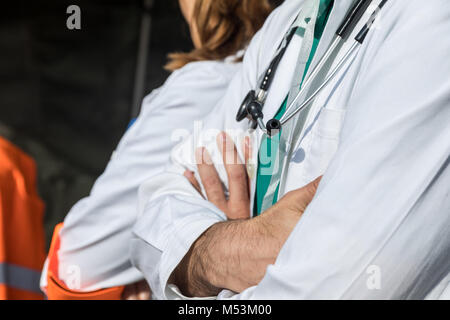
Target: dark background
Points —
{"points": [[66, 96]]}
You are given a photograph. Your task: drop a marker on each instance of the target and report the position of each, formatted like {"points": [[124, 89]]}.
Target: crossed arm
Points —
{"points": [[383, 201], [235, 254]]}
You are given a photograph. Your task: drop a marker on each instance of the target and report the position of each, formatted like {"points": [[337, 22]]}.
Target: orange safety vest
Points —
{"points": [[57, 290], [22, 244]]}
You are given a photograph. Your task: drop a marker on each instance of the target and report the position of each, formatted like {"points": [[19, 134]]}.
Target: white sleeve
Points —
{"points": [[164, 234], [164, 200], [379, 227], [172, 213], [97, 230]]}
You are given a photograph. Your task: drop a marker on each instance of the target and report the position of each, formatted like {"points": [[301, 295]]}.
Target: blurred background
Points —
{"points": [[67, 96]]}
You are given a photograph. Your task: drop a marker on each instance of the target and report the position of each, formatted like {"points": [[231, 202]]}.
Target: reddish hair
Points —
{"points": [[224, 28]]}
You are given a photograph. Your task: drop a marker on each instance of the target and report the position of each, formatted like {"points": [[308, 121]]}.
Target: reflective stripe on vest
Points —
{"points": [[22, 247], [20, 278]]}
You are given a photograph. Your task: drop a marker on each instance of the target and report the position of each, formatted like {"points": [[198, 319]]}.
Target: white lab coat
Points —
{"points": [[379, 226], [96, 233]]}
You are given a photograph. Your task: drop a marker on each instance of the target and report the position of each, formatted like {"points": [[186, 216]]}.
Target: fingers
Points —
{"points": [[191, 177], [248, 152], [236, 171], [143, 291], [130, 292], [210, 179], [238, 204], [137, 291]]}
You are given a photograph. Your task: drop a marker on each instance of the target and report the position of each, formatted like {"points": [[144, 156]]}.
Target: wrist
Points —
{"points": [[192, 275], [203, 271], [205, 267], [276, 225], [247, 248], [221, 248]]}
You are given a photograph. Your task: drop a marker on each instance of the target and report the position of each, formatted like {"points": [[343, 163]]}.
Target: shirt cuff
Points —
{"points": [[177, 247], [173, 293]]}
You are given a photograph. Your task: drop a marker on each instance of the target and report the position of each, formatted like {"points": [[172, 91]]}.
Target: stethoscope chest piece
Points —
{"points": [[251, 109], [243, 110], [253, 104]]}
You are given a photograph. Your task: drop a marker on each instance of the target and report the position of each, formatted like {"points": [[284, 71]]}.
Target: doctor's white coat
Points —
{"points": [[96, 234], [379, 226]]}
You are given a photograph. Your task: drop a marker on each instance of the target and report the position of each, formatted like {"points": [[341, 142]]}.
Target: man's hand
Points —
{"points": [[237, 205], [234, 255], [137, 291], [284, 215]]}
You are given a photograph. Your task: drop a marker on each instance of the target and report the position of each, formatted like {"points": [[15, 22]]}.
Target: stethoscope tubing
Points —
{"points": [[359, 39], [313, 74], [333, 73]]}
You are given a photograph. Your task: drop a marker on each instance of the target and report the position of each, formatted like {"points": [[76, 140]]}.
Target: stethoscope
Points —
{"points": [[253, 103]]}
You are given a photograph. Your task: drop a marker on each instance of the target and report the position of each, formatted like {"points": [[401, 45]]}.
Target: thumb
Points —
{"points": [[301, 198]]}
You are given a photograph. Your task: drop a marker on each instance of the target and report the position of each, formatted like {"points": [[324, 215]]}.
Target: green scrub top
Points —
{"points": [[263, 181]]}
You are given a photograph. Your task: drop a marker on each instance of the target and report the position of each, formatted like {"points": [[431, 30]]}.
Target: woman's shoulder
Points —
{"points": [[201, 75], [206, 70], [194, 82]]}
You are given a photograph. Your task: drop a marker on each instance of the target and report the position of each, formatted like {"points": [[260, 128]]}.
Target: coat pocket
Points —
{"points": [[324, 142]]}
